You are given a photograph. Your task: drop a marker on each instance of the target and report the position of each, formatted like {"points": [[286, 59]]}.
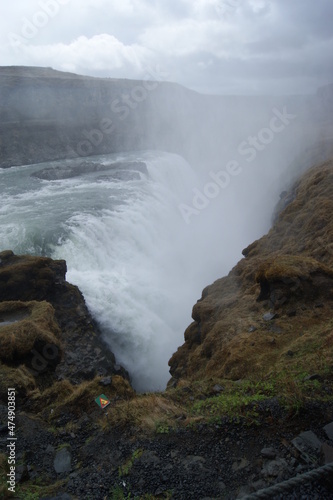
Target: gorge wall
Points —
{"points": [[49, 115], [273, 313]]}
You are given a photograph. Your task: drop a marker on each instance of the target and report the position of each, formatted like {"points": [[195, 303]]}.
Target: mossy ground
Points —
{"points": [[18, 338]]}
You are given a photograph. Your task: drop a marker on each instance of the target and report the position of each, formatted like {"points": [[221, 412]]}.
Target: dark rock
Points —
{"points": [[308, 444], [292, 313], [326, 454], [27, 278], [240, 464], [193, 462], [275, 468], [275, 329], [312, 377], [106, 381], [269, 453], [329, 430]]}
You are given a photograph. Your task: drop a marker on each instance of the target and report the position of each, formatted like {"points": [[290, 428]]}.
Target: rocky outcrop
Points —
{"points": [[45, 326], [276, 304]]}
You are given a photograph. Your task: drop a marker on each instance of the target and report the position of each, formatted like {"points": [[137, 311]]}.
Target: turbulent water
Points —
{"points": [[139, 265]]}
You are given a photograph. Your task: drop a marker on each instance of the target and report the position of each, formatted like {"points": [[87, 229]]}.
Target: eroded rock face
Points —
{"points": [[286, 277], [58, 332]]}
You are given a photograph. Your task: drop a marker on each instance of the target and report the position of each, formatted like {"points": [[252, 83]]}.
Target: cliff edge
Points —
{"points": [[273, 313]]}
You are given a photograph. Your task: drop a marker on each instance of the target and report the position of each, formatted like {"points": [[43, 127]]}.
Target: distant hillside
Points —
{"points": [[47, 114]]}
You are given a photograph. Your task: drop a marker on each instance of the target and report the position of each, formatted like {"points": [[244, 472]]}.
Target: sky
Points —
{"points": [[212, 46]]}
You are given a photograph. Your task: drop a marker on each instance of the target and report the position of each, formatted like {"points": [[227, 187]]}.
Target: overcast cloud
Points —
{"points": [[213, 46]]}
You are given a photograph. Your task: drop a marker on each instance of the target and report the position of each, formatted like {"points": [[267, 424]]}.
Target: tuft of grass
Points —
{"points": [[125, 469], [18, 339], [20, 378], [144, 412], [290, 266]]}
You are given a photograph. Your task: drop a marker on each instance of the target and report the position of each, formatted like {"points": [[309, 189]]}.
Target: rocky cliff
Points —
{"points": [[46, 331], [48, 115], [273, 313], [250, 402]]}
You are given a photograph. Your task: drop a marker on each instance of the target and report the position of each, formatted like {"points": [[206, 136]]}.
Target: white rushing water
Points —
{"points": [[139, 265]]}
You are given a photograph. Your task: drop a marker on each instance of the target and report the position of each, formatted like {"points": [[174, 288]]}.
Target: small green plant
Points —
{"points": [[125, 469], [239, 401], [118, 494], [162, 428]]}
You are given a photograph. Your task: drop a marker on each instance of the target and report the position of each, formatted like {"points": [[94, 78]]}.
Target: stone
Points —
{"points": [[240, 464], [308, 444], [311, 378], [193, 462], [106, 381], [269, 316], [329, 431], [252, 329], [63, 461], [218, 388], [326, 454], [269, 453], [275, 329], [275, 468]]}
